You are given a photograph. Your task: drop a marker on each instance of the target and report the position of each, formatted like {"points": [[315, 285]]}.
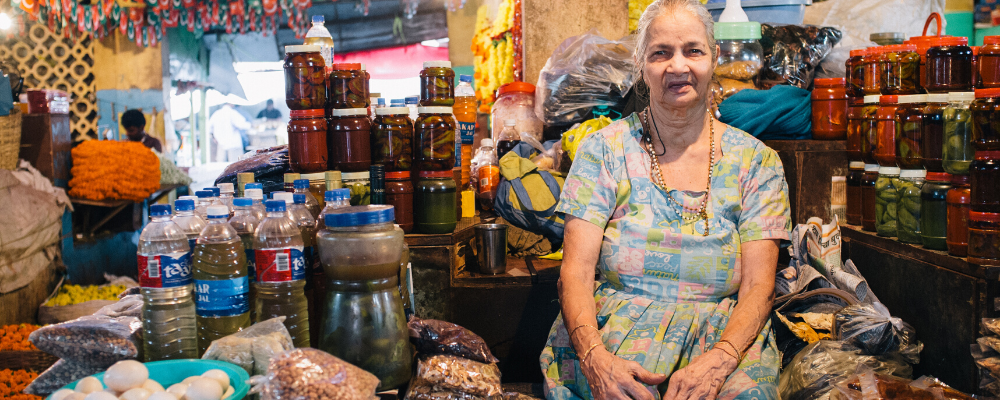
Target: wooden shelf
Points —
{"points": [[919, 253]]}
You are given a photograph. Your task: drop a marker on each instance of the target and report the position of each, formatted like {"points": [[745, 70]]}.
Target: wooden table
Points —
{"points": [[107, 210]]}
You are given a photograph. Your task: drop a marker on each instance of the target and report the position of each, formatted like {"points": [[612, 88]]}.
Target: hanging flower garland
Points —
{"points": [[496, 49]]}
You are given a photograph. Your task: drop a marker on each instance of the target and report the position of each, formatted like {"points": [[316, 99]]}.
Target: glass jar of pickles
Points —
{"points": [[854, 120], [360, 185], [307, 141], [949, 66], [985, 114], [435, 203], [855, 73], [873, 71], [392, 133], [305, 78], [989, 62], [934, 210], [869, 197], [959, 199], [908, 215], [885, 138], [347, 86], [901, 69], [437, 84], [958, 150], [435, 134], [829, 109], [869, 129], [932, 129], [909, 133], [984, 238], [349, 140], [886, 201]]}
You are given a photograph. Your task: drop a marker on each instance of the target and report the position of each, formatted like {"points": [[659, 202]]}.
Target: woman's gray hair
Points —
{"points": [[661, 7]]}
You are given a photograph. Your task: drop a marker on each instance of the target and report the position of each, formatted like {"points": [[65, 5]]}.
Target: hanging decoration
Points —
{"points": [[496, 48]]}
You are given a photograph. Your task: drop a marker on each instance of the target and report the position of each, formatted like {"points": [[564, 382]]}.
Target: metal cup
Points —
{"points": [[491, 248]]}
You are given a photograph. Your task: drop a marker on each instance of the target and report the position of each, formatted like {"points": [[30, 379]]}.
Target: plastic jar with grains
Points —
{"points": [[909, 133], [886, 201], [958, 150], [437, 84], [855, 73], [347, 87], [959, 198], [349, 140], [885, 138], [984, 238], [829, 109], [901, 69], [435, 139], [869, 197], [989, 62], [305, 78], [949, 66], [392, 135], [869, 129], [307, 141], [932, 130], [908, 215], [855, 174], [934, 210]]}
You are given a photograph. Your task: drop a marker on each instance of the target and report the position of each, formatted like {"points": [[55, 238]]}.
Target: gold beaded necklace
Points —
{"points": [[702, 211]]}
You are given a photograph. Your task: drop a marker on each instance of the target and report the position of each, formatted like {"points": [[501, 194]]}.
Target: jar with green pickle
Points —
{"points": [[347, 86], [360, 185], [901, 69], [869, 128], [934, 210], [908, 214], [392, 139], [909, 131], [886, 201], [435, 202], [435, 139], [958, 151], [437, 84], [305, 78]]}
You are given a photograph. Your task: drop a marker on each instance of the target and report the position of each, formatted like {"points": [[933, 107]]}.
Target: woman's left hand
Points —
{"points": [[702, 378]]}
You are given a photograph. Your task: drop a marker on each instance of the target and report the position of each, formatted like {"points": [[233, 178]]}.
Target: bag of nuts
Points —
{"points": [[93, 341], [444, 377], [307, 373]]}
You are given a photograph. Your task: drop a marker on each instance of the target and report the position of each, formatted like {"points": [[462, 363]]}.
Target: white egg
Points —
{"points": [[190, 379], [162, 396], [135, 394], [229, 392], [219, 376], [204, 389], [152, 386], [178, 390], [101, 395], [89, 385], [61, 394], [111, 391], [75, 396], [125, 375]]}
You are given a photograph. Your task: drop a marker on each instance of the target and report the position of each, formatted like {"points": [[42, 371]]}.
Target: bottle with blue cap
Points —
{"points": [[221, 281], [318, 35], [189, 223], [281, 272], [204, 200], [337, 198], [245, 221], [255, 192], [314, 285], [361, 250], [168, 313], [312, 204]]}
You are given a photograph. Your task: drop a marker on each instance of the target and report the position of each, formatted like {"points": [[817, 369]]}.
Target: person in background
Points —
{"points": [[135, 128], [269, 112], [225, 125]]}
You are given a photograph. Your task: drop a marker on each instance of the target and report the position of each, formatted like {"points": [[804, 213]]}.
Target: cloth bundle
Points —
{"points": [[780, 113]]}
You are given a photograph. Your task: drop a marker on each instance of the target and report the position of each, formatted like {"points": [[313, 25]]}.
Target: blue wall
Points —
{"points": [[123, 100]]}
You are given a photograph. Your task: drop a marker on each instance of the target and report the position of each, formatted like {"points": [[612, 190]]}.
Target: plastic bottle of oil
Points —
{"points": [[281, 271], [221, 282]]}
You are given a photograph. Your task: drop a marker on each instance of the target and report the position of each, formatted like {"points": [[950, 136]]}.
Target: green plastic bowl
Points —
{"points": [[169, 372]]}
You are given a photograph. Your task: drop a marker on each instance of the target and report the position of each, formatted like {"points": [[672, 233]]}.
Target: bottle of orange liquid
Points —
{"points": [[465, 113], [488, 172]]}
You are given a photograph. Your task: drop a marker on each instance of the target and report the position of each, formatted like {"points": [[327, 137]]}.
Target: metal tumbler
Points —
{"points": [[491, 248]]}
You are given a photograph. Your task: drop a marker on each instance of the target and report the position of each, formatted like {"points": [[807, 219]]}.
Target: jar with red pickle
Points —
{"points": [[399, 194], [932, 129], [986, 119], [829, 109], [392, 136], [855, 73], [435, 139], [949, 66], [988, 62], [885, 138], [869, 129], [984, 238], [347, 87], [869, 197], [909, 137], [307, 141], [855, 119], [901, 69], [348, 140], [305, 78], [437, 84], [984, 178], [855, 173], [873, 71], [958, 199]]}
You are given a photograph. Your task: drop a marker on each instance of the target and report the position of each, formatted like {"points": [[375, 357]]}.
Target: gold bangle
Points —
{"points": [[587, 353], [738, 356], [581, 326]]}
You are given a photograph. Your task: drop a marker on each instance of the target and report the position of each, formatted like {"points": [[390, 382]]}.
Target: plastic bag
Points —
{"points": [[128, 306], [818, 367], [867, 384], [439, 337], [268, 166], [307, 373], [252, 348], [585, 71], [96, 340], [572, 138], [456, 374], [551, 158], [423, 390], [792, 52], [874, 330], [58, 375]]}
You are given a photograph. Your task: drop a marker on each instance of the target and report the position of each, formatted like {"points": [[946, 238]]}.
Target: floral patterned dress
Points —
{"points": [[666, 292]]}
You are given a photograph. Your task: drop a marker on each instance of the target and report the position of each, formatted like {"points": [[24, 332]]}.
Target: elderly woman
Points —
{"points": [[682, 215]]}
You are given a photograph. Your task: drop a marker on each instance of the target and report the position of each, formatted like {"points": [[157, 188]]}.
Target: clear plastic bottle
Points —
{"points": [[507, 139], [221, 283], [411, 103], [226, 194], [257, 196], [488, 175], [337, 198], [318, 35], [204, 200], [315, 285], [245, 221], [312, 204], [216, 195], [465, 113], [281, 272], [168, 313], [189, 223]]}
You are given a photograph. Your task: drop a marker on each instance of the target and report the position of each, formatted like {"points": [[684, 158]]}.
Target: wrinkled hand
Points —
{"points": [[702, 378], [613, 378]]}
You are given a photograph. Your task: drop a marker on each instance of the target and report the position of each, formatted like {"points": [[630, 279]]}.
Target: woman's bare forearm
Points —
{"points": [[756, 296], [576, 281]]}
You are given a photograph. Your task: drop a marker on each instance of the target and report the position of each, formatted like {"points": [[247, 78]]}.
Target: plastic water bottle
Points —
{"points": [[189, 223], [318, 35], [245, 222], [465, 113], [312, 204], [168, 312], [257, 196], [227, 193], [204, 200], [315, 289], [221, 285], [508, 138], [337, 198], [281, 271]]}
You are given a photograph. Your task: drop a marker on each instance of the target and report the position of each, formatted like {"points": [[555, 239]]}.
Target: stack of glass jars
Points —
{"points": [[984, 231]]}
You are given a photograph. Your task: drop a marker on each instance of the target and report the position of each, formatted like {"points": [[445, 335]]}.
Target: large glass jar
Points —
{"points": [[392, 133], [307, 141], [984, 238], [516, 101], [959, 198], [365, 324], [829, 109], [873, 71], [885, 138], [934, 210], [437, 84], [901, 69], [347, 87], [984, 176], [989, 62], [958, 149], [360, 185], [932, 129], [856, 171], [886, 201], [305, 78], [855, 68], [869, 197], [854, 121], [399, 194], [986, 119], [349, 140], [435, 203], [909, 133], [435, 139], [869, 129], [908, 192], [949, 66]]}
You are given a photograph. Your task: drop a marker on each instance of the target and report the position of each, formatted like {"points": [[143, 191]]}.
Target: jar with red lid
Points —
{"points": [[869, 129], [348, 140], [307, 141], [516, 101], [885, 138], [924, 43], [932, 129], [437, 84], [305, 78], [855, 73], [855, 173], [392, 133], [986, 119], [435, 139], [347, 86], [909, 133], [984, 238], [901, 69], [829, 109], [984, 177], [988, 62], [399, 194], [949, 66], [958, 199], [873, 71], [869, 198], [855, 109]]}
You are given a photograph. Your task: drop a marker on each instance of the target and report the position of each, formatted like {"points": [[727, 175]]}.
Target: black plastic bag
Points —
{"points": [[875, 331], [268, 166], [439, 337], [792, 53]]}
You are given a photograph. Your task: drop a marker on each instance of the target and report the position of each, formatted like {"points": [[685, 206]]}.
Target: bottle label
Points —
{"points": [[489, 178], [251, 265], [467, 130], [222, 298], [280, 265], [164, 271]]}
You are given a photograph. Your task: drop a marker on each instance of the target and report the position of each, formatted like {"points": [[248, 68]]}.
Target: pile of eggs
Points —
{"points": [[129, 380]]}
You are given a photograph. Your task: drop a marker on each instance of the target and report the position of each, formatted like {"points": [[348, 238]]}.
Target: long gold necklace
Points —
{"points": [[702, 211]]}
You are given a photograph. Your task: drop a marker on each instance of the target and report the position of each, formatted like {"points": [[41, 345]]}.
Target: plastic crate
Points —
{"points": [[766, 11]]}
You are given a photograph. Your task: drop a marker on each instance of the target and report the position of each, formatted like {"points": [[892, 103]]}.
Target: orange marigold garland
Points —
{"points": [[13, 381], [15, 337], [112, 170]]}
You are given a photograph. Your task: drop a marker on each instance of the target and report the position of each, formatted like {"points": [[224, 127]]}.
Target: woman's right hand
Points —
{"points": [[613, 378]]}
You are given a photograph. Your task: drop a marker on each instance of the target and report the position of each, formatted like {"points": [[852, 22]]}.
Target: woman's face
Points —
{"points": [[679, 63]]}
